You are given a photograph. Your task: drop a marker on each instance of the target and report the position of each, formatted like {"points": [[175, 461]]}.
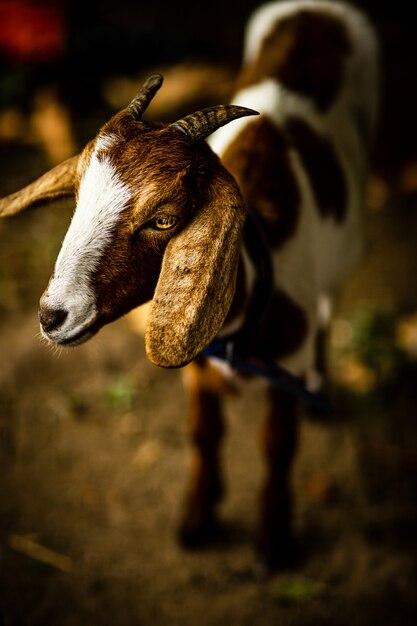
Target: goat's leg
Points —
{"points": [[206, 430], [279, 442]]}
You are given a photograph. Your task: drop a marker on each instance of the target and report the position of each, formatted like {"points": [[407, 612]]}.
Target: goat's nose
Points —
{"points": [[51, 319]]}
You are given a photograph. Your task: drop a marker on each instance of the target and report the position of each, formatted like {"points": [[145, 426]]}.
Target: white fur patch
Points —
{"points": [[105, 142], [271, 99], [102, 199]]}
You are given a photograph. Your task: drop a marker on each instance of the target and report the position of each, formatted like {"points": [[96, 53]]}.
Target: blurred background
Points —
{"points": [[93, 455]]}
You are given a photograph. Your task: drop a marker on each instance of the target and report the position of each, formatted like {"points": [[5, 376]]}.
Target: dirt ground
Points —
{"points": [[94, 462], [94, 458]]}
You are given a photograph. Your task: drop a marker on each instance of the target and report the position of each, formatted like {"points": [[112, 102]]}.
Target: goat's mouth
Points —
{"points": [[83, 335], [79, 337]]}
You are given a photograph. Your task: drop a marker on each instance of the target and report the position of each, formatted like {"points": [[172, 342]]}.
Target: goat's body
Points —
{"points": [[302, 168], [315, 258]]}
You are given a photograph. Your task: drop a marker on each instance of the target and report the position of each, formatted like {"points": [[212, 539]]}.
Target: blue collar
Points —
{"points": [[229, 348]]}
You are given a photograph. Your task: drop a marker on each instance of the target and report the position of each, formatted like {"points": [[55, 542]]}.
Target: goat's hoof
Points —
{"points": [[192, 536]]}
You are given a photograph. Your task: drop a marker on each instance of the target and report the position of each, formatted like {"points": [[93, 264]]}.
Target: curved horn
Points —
{"points": [[201, 124], [145, 94]]}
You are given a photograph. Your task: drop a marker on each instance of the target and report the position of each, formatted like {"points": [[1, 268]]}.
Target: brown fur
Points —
{"points": [[322, 167], [202, 262], [206, 426], [283, 329], [131, 264], [306, 53], [199, 255], [258, 159], [279, 444]]}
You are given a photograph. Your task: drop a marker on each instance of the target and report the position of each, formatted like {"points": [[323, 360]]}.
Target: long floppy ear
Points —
{"points": [[197, 279], [57, 183]]}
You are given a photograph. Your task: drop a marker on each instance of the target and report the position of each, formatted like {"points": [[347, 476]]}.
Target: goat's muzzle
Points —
{"points": [[68, 325], [50, 318]]}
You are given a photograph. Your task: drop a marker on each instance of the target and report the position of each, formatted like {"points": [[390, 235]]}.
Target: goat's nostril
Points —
{"points": [[51, 319]]}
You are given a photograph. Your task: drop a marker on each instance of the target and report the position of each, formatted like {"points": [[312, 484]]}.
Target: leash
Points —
{"points": [[227, 348], [275, 374]]}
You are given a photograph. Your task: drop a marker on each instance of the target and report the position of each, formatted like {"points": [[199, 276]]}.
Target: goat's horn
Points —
{"points": [[201, 124], [145, 94]]}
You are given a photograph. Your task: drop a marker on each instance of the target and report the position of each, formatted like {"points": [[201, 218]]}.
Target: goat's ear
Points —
{"points": [[198, 277], [57, 183]]}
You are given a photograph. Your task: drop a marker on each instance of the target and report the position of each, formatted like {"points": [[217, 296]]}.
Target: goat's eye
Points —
{"points": [[164, 222]]}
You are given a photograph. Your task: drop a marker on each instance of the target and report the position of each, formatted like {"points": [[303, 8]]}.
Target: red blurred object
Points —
{"points": [[31, 31]]}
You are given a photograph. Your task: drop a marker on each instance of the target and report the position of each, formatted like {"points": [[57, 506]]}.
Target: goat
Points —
{"points": [[161, 216]]}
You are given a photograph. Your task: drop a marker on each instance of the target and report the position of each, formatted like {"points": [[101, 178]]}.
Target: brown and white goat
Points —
{"points": [[159, 216]]}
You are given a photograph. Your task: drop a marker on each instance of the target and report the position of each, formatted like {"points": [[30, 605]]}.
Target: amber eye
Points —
{"points": [[164, 222]]}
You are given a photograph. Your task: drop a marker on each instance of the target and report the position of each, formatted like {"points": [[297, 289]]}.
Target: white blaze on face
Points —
{"points": [[101, 201]]}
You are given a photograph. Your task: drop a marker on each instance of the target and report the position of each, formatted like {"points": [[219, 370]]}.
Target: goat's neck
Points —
{"points": [[254, 282], [245, 281]]}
